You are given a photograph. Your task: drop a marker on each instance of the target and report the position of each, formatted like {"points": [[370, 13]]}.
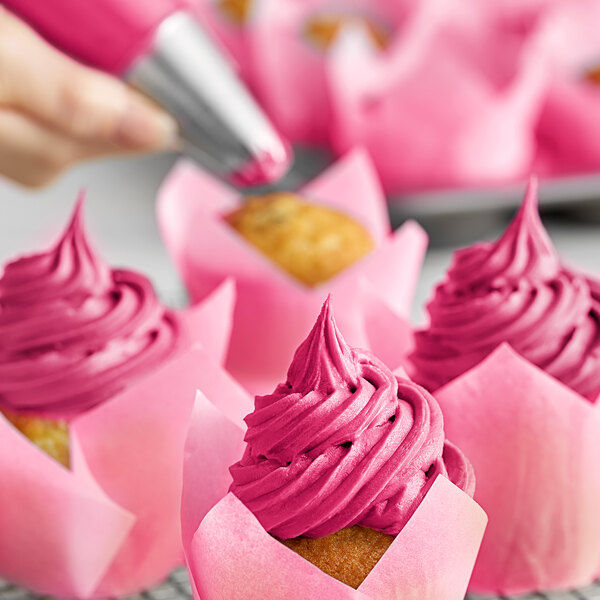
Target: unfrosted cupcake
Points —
{"points": [[515, 290], [73, 333], [333, 235], [311, 242], [339, 457]]}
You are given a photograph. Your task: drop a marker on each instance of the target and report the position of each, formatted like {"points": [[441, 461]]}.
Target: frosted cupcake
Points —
{"points": [[514, 290], [513, 354], [96, 373], [342, 450], [285, 252], [74, 332], [341, 462]]}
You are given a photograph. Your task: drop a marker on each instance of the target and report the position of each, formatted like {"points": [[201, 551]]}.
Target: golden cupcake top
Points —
{"points": [[311, 242], [323, 30], [49, 435], [237, 11], [592, 75], [348, 555]]}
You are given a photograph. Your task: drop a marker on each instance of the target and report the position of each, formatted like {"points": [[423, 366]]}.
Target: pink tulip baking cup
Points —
{"points": [[534, 445], [453, 103], [289, 66], [273, 311], [569, 128], [230, 555], [227, 22], [109, 525]]}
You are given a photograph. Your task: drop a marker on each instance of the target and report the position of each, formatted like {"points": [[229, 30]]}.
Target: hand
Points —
{"points": [[55, 112]]}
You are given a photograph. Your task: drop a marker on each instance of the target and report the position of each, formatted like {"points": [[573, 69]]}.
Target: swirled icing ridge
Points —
{"points": [[73, 332], [514, 290], [343, 442]]}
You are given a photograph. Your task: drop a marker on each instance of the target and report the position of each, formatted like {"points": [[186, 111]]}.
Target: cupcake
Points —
{"points": [[285, 251], [290, 47], [228, 22], [93, 372], [310, 242], [486, 66], [512, 352], [74, 333], [341, 462], [340, 455], [567, 130], [514, 290]]}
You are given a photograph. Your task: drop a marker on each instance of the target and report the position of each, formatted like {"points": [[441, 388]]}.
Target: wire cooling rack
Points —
{"points": [[177, 587]]}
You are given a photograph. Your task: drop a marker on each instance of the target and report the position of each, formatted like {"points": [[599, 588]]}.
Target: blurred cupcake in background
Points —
{"points": [[228, 21], [442, 94], [95, 384], [373, 73], [284, 252], [569, 127], [291, 43], [454, 101]]}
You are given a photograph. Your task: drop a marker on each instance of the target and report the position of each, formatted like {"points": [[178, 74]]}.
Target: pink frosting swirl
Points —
{"points": [[515, 290], [73, 332], [342, 442]]}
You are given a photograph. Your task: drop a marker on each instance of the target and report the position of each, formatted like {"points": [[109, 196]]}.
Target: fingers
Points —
{"points": [[33, 154], [74, 100]]}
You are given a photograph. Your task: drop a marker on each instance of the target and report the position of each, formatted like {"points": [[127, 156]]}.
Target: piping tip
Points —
{"points": [[221, 125], [264, 168]]}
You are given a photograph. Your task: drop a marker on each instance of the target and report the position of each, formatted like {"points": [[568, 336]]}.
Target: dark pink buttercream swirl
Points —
{"points": [[515, 290], [343, 442], [73, 332]]}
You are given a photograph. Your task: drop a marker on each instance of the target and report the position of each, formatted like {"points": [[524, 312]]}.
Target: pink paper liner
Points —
{"points": [[287, 74], [481, 133], [534, 446], [110, 525], [290, 73], [226, 33], [569, 129], [229, 554], [273, 312], [51, 521], [210, 321], [215, 440]]}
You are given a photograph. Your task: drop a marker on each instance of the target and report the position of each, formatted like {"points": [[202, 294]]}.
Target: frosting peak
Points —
{"points": [[73, 331], [515, 290], [323, 362], [349, 445], [69, 269], [525, 250]]}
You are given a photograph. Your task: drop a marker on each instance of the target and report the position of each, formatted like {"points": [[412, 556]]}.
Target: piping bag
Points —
{"points": [[159, 47]]}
